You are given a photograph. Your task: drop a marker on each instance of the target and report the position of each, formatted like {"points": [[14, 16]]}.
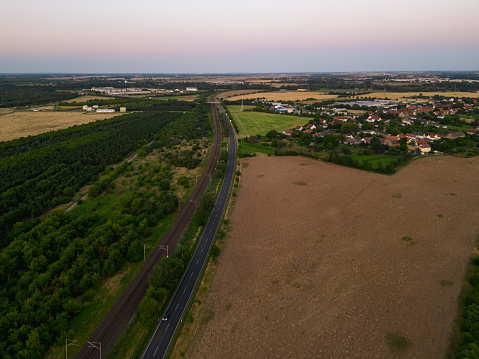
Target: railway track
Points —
{"points": [[115, 322]]}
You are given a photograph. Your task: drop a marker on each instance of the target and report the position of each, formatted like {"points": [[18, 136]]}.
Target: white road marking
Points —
{"points": [[176, 306], [155, 351]]}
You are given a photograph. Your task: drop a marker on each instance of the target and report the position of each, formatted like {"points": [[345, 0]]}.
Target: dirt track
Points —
{"points": [[316, 267]]}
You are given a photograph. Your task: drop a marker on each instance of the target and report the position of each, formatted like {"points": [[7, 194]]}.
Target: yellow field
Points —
{"points": [[287, 96], [25, 123], [404, 95], [4, 111], [49, 107], [234, 93]]}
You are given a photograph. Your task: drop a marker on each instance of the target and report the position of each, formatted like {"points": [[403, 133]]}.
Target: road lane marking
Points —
{"points": [[155, 351], [176, 307], [191, 275], [184, 290], [167, 327]]}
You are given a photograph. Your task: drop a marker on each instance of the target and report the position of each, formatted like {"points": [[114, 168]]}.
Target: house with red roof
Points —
{"points": [[424, 148]]}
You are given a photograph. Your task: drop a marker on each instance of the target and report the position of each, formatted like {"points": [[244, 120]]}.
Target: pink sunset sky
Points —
{"points": [[238, 36]]}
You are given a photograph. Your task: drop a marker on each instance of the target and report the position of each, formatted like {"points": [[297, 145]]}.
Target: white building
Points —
{"points": [[105, 110], [192, 89]]}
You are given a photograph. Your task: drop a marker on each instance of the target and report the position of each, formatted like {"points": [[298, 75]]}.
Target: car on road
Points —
{"points": [[165, 317]]}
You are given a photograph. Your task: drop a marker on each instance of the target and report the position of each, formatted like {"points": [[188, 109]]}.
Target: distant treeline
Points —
{"points": [[138, 104], [17, 96]]}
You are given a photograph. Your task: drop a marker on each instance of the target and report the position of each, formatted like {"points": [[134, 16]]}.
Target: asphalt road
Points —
{"points": [[112, 326], [165, 331]]}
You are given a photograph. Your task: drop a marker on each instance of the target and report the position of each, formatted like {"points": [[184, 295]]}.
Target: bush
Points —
{"points": [[215, 251]]}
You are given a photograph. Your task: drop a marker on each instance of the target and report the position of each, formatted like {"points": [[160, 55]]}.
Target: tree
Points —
{"points": [[330, 141], [376, 145], [167, 273], [135, 252], [208, 201], [272, 134], [345, 149], [148, 310], [94, 191]]}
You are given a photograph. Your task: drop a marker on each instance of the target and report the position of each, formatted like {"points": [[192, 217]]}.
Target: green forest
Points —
{"points": [[49, 267], [40, 172]]}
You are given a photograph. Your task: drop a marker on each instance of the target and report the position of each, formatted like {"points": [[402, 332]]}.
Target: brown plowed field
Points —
{"points": [[316, 265]]}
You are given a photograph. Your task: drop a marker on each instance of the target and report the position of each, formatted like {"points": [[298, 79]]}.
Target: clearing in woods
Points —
{"points": [[253, 123], [24, 123], [316, 264]]}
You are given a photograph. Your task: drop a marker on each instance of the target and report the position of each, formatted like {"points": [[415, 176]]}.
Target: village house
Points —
{"points": [[425, 148]]}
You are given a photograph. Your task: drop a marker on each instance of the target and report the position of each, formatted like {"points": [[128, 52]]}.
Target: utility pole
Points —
{"points": [[72, 342], [92, 345], [144, 251], [164, 247]]}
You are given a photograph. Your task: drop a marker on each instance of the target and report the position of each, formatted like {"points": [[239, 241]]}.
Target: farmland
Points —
{"points": [[252, 123], [408, 95], [249, 148], [375, 159], [371, 261], [28, 123], [233, 93], [321, 96], [286, 96]]}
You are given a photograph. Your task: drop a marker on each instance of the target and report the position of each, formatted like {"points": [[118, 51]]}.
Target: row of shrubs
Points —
{"points": [[469, 346]]}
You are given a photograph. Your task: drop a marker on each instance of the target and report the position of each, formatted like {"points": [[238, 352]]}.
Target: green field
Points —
{"points": [[460, 127], [248, 148], [259, 123], [374, 159]]}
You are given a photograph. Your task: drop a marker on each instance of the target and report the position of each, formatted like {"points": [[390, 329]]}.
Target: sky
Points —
{"points": [[217, 36]]}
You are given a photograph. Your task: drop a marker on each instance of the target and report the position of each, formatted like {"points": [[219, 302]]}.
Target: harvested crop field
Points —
{"points": [[24, 123], [286, 96], [233, 93], [326, 261], [408, 95]]}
